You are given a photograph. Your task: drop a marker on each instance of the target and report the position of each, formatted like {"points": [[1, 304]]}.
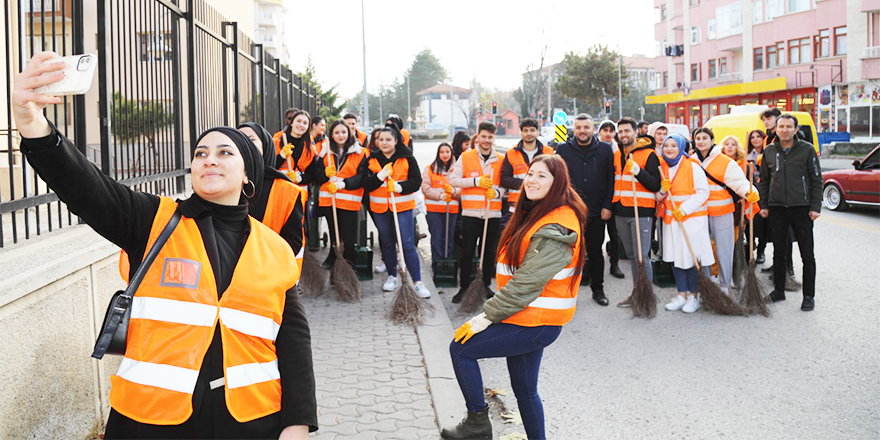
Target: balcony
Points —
{"points": [[730, 77], [871, 68], [871, 52]]}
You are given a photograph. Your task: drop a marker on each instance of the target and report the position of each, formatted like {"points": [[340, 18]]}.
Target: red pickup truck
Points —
{"points": [[858, 186]]}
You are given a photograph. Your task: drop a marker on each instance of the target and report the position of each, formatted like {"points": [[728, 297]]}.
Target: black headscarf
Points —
{"points": [[270, 172], [253, 161]]}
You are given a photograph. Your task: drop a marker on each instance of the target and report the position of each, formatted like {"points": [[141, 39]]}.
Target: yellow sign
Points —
{"points": [[561, 134], [749, 88]]}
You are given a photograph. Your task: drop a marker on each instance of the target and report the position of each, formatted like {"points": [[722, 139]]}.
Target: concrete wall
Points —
{"points": [[53, 294]]}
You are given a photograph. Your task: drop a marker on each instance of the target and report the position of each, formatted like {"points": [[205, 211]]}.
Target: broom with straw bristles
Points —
{"points": [[739, 251], [477, 292], [753, 294], [344, 278], [408, 308], [644, 301]]}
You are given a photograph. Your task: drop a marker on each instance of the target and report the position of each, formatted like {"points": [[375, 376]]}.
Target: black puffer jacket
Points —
{"points": [[792, 178]]}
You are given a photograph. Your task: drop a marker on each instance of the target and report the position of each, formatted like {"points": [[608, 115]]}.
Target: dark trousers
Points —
{"points": [[798, 219], [595, 235], [614, 243], [472, 230], [523, 347], [348, 227]]}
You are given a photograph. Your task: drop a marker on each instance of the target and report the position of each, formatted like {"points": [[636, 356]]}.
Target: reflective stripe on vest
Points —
{"points": [[558, 300], [472, 168], [623, 189], [439, 181], [174, 314], [681, 190], [380, 200], [720, 202], [347, 199], [520, 170]]}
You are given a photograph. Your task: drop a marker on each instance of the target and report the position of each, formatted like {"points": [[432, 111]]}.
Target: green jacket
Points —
{"points": [[550, 250], [792, 178]]}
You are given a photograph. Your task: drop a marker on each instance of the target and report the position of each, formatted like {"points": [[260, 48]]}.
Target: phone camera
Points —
{"points": [[84, 63]]}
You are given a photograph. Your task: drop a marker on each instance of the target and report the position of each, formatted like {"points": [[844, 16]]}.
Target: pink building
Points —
{"points": [[818, 56], [507, 122]]}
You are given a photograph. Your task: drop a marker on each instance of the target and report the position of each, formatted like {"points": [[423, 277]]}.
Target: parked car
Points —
{"points": [[858, 186], [746, 118]]}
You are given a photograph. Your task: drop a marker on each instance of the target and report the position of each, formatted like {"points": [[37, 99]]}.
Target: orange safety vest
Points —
{"points": [[302, 163], [520, 169], [347, 199], [558, 300], [404, 135], [173, 319], [720, 202], [439, 181], [282, 200], [380, 199], [475, 197], [681, 190], [623, 190], [361, 137]]}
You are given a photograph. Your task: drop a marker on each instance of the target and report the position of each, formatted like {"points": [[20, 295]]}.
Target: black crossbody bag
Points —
{"points": [[114, 331]]}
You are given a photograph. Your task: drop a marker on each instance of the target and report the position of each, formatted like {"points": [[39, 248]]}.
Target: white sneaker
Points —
{"points": [[676, 304], [380, 268], [714, 279], [725, 290], [422, 290], [691, 306], [390, 284]]}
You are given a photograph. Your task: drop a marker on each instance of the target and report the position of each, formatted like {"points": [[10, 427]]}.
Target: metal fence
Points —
{"points": [[167, 70]]}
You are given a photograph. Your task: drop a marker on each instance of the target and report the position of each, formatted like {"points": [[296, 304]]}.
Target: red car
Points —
{"points": [[859, 186]]}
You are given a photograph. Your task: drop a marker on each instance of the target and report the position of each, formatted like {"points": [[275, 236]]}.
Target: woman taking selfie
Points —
{"points": [[540, 259], [239, 361]]}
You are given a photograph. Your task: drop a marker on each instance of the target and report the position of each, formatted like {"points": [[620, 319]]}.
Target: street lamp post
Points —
{"points": [[366, 95], [619, 87]]}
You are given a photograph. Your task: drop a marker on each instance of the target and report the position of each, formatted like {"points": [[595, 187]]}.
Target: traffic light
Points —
{"points": [[494, 107], [607, 107]]}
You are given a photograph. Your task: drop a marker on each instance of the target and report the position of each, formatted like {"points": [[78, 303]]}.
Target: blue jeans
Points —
{"points": [[523, 348], [685, 279], [388, 242], [437, 228]]}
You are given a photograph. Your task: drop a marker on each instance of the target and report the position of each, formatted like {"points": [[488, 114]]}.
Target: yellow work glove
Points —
{"points": [[385, 172], [287, 151], [491, 194], [752, 197], [448, 189], [448, 197], [678, 214], [473, 326], [330, 171], [632, 167], [332, 188], [394, 186], [485, 182], [295, 176], [666, 184]]}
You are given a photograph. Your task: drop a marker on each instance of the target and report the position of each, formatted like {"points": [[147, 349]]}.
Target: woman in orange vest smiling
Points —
{"points": [[540, 259], [294, 148], [440, 197], [218, 344], [394, 169], [341, 155]]}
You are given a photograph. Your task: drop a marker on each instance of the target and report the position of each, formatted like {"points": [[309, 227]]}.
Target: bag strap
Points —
{"points": [[733, 194], [141, 271]]}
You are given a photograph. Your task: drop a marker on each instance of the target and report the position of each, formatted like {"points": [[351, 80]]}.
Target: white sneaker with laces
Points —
{"points": [[380, 268], [676, 304], [422, 290], [390, 284], [692, 305]]}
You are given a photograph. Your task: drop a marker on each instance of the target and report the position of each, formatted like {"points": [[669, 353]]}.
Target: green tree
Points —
{"points": [[133, 121], [592, 77], [330, 111]]}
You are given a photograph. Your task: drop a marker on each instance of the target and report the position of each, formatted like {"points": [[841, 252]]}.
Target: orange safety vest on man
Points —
{"points": [[681, 190], [439, 181], [720, 202], [558, 300], [361, 137], [472, 168], [282, 199], [520, 169], [173, 319], [623, 190], [380, 199], [347, 199]]}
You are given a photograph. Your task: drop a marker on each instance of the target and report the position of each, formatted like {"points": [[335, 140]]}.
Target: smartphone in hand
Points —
{"points": [[78, 73]]}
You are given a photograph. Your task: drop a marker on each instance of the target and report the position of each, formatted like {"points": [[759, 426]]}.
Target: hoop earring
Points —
{"points": [[253, 190]]}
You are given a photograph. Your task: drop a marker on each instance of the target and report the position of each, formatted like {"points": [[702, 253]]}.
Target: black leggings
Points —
{"points": [[348, 227]]}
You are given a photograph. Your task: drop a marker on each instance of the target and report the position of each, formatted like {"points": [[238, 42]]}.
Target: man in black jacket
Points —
{"points": [[591, 170], [791, 194]]}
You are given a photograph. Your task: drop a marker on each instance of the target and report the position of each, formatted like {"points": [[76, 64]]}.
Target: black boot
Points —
{"points": [[615, 271], [475, 426], [760, 259], [458, 296]]}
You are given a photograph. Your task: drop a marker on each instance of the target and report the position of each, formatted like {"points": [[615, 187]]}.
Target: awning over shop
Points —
{"points": [[749, 88]]}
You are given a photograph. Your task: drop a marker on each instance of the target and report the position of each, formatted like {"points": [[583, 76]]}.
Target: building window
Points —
{"points": [[663, 12], [840, 41], [859, 121], [710, 25], [268, 37], [694, 2], [798, 6], [723, 66], [695, 35], [757, 12], [774, 8], [712, 71], [780, 54], [771, 57], [155, 48], [665, 79], [822, 44], [695, 72], [799, 51], [728, 20], [875, 122], [759, 59], [874, 39]]}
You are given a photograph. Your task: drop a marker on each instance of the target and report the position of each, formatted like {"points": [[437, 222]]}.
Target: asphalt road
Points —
{"points": [[795, 375]]}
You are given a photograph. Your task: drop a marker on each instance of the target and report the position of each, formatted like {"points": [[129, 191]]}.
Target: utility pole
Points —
{"points": [[451, 111], [549, 83], [575, 106], [408, 103], [366, 95], [381, 91], [619, 86]]}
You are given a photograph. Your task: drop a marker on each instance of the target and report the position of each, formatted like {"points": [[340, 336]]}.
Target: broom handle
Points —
{"points": [[636, 209], [683, 232], [446, 237], [397, 229], [752, 220], [333, 200], [485, 228]]}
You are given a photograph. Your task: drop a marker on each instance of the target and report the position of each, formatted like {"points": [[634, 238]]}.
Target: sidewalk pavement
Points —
{"points": [[376, 379]]}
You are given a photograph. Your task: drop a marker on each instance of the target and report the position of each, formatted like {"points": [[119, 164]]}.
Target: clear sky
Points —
{"points": [[493, 41]]}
